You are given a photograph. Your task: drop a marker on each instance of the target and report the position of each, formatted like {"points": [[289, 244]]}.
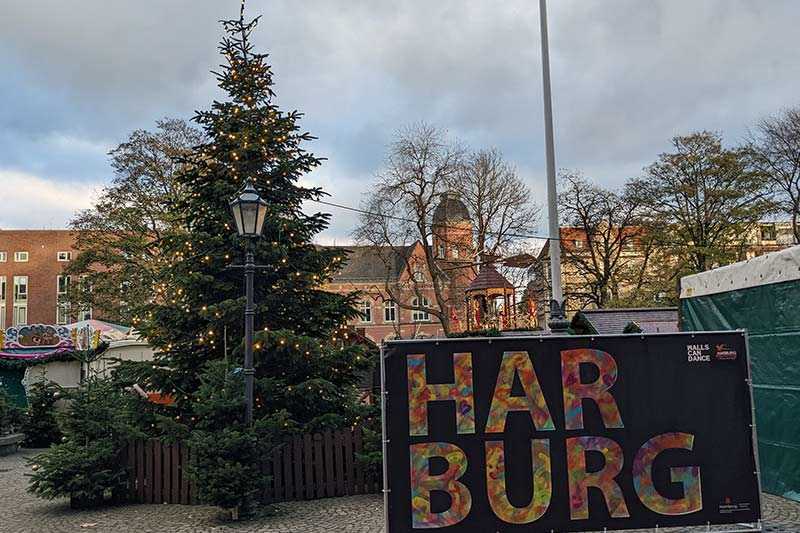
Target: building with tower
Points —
{"points": [[396, 284]]}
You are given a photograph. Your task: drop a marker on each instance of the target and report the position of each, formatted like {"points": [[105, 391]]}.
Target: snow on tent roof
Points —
{"points": [[774, 267]]}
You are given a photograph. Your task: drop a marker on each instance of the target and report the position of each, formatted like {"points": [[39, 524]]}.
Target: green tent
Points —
{"points": [[761, 295]]}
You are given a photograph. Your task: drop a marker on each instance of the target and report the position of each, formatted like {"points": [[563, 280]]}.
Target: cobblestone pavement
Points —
{"points": [[22, 513]]}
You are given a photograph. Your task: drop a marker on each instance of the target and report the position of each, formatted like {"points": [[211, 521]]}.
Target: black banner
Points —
{"points": [[569, 433]]}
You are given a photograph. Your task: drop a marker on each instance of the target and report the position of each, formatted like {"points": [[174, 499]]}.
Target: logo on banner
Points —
{"points": [[725, 353], [698, 353]]}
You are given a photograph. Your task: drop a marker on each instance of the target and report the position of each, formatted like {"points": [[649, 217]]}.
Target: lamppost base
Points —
{"points": [[558, 322]]}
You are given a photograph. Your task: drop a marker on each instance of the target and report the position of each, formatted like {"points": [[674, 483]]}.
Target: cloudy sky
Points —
{"points": [[77, 77]]}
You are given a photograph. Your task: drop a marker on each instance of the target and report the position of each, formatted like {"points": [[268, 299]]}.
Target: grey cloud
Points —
{"points": [[627, 75]]}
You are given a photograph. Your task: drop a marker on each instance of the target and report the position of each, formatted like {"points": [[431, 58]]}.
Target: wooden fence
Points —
{"points": [[157, 474], [305, 467]]}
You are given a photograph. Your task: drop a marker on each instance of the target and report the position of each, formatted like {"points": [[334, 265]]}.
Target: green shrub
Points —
{"points": [[10, 415], [39, 423], [86, 466]]}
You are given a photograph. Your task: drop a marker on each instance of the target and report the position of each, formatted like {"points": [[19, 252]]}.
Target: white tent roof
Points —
{"points": [[775, 267]]}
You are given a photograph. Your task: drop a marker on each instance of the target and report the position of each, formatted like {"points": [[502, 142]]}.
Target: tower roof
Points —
{"points": [[450, 209]]}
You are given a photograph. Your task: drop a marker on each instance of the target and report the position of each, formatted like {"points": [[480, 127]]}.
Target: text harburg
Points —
{"points": [[518, 364]]}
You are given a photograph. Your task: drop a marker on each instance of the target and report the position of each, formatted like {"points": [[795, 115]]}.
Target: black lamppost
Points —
{"points": [[249, 211]]}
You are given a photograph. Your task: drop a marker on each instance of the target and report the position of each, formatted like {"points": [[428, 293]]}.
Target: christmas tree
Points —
{"points": [[87, 464], [39, 424], [197, 306], [306, 377]]}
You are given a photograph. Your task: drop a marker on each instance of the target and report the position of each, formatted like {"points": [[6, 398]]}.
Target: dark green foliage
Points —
{"points": [[10, 416], [227, 455], [86, 466], [39, 423], [304, 381], [371, 456], [312, 383], [301, 385], [580, 325], [199, 302], [632, 327]]}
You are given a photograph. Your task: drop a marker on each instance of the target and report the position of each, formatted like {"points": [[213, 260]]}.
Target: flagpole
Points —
{"points": [[557, 321]]}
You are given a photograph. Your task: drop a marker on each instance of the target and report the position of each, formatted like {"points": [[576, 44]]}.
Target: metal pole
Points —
{"points": [[557, 320], [249, 312]]}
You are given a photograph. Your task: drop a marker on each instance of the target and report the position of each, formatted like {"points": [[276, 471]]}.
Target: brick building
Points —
{"points": [[381, 272], [31, 280], [395, 282], [764, 237]]}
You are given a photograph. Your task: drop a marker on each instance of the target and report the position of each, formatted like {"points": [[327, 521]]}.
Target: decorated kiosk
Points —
{"points": [[491, 301], [58, 353]]}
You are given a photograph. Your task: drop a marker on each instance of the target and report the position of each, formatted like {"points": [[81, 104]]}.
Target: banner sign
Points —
{"points": [[569, 433]]}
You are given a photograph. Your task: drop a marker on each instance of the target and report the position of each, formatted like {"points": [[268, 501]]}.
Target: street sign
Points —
{"points": [[569, 433]]}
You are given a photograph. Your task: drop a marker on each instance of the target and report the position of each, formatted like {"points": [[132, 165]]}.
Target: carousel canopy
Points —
{"points": [[40, 342]]}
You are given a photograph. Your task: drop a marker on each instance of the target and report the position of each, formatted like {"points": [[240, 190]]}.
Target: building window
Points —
{"points": [[62, 308], [20, 317], [418, 315], [62, 314], [86, 312], [63, 285], [441, 250], [365, 308], [768, 232], [389, 311], [3, 257], [2, 302], [64, 256], [418, 275], [454, 251], [578, 244], [21, 257]]}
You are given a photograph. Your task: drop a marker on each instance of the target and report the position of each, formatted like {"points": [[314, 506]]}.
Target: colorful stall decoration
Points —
{"points": [[35, 342]]}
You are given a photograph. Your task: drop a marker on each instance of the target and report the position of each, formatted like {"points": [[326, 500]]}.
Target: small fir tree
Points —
{"points": [[9, 413], [39, 423], [301, 385], [87, 466]]}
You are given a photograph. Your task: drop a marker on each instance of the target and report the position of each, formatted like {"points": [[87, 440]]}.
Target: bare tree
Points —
{"points": [[498, 201], [775, 153], [424, 168], [399, 212], [600, 243]]}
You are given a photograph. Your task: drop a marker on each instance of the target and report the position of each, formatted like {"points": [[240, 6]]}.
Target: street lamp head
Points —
{"points": [[249, 211]]}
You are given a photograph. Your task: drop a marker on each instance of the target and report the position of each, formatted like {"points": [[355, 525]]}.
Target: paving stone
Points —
{"points": [[21, 512]]}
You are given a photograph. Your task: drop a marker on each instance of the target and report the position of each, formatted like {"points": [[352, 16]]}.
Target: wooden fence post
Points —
{"points": [[349, 462], [308, 463], [319, 465], [297, 459], [357, 448]]}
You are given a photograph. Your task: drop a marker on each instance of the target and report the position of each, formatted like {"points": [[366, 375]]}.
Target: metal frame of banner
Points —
{"points": [[384, 442], [740, 528]]}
